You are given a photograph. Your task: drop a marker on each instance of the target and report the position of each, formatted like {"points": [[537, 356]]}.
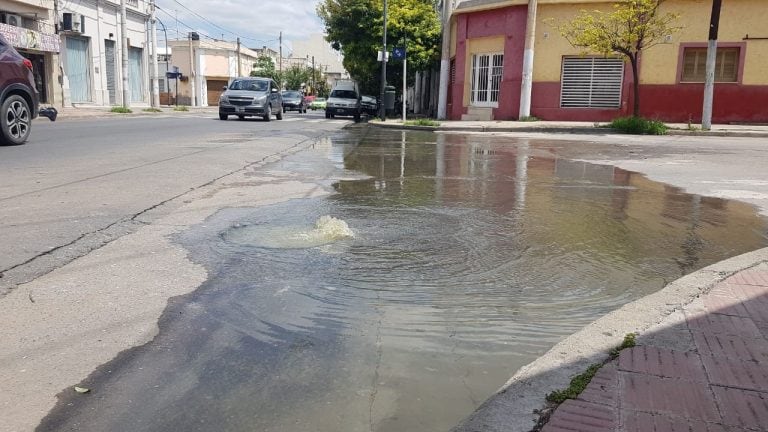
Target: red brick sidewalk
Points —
{"points": [[720, 384]]}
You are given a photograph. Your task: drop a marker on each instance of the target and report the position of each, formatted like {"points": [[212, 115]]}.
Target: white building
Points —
{"points": [[91, 52], [28, 25], [326, 59]]}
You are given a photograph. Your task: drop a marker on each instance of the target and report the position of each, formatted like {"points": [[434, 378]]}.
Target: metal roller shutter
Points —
{"points": [[591, 82]]}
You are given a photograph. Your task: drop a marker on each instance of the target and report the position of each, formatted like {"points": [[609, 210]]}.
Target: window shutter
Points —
{"points": [[591, 82]]}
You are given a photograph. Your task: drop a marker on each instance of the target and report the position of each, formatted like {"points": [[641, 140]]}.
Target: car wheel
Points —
{"points": [[16, 120], [327, 115], [279, 114], [241, 117], [223, 116], [268, 113]]}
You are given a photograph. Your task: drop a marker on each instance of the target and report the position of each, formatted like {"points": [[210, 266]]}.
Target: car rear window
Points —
{"points": [[292, 94], [252, 85]]}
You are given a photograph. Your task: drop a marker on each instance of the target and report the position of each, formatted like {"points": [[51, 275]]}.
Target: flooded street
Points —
{"points": [[450, 262]]}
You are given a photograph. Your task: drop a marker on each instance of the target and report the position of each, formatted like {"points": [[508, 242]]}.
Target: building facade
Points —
{"points": [[326, 59], [210, 67], [29, 26], [487, 49], [91, 52]]}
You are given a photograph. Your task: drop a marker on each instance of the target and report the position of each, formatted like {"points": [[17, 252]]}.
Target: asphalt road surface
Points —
{"points": [[78, 184]]}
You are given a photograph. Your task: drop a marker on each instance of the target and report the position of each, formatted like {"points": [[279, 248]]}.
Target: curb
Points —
{"points": [[565, 130], [516, 406]]}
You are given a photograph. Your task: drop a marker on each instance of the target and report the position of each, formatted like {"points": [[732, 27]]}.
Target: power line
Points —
{"points": [[218, 26]]}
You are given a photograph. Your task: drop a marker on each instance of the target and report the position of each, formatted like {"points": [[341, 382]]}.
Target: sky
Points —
{"points": [[257, 22]]}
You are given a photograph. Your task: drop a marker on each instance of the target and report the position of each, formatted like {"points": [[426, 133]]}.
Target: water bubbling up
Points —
{"points": [[327, 229]]}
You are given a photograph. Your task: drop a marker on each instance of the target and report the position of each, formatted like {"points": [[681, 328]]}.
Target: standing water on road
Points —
{"points": [[451, 262]]}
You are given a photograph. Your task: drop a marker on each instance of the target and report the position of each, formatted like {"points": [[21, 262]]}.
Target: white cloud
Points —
{"points": [[258, 22]]}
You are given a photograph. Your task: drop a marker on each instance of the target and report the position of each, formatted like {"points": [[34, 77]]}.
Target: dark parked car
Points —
{"points": [[294, 101], [251, 97], [370, 105], [18, 96]]}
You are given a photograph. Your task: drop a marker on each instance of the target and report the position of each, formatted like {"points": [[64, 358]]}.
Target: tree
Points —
{"points": [[265, 67], [355, 27], [631, 27], [295, 76]]}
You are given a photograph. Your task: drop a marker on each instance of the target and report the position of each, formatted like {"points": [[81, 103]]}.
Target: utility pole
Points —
{"points": [[405, 78], [382, 109], [530, 39], [281, 61], [155, 78], [239, 66], [124, 55], [192, 98], [445, 63], [709, 81], [165, 33]]}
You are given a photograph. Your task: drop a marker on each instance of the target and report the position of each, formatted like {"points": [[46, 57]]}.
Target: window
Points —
{"points": [[486, 79], [695, 65], [591, 82]]}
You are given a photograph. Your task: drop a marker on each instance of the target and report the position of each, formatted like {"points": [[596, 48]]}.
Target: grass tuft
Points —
{"points": [[578, 384], [152, 110], [628, 342], [181, 108], [639, 126], [528, 119], [422, 122], [121, 110]]}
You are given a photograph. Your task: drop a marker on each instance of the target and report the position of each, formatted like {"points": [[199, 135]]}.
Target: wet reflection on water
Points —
{"points": [[471, 257]]}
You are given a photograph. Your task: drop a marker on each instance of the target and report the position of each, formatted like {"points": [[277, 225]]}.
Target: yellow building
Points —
{"points": [[487, 49]]}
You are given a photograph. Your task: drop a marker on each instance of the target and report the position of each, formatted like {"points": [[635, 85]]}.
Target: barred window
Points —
{"points": [[695, 65], [486, 79]]}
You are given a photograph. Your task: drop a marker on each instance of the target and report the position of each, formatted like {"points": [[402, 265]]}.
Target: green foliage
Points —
{"points": [[631, 27], [528, 119], [577, 385], [181, 108], [295, 76], [355, 28], [639, 126], [152, 110], [265, 67], [628, 342], [422, 122], [121, 110]]}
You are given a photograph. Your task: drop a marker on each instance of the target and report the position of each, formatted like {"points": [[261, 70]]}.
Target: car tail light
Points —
{"points": [[28, 64]]}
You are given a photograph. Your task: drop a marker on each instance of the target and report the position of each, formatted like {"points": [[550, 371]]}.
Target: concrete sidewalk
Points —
{"points": [[85, 112], [714, 377], [729, 130]]}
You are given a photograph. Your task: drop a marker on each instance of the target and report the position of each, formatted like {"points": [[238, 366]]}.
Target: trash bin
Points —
{"points": [[389, 97]]}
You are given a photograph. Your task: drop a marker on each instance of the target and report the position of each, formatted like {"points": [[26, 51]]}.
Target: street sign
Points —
{"points": [[398, 53], [380, 56], [172, 75]]}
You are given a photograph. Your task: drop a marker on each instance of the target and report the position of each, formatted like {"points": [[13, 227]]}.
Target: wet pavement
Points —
{"points": [[471, 257]]}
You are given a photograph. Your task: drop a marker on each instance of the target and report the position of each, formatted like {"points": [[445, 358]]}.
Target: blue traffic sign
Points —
{"points": [[398, 53]]}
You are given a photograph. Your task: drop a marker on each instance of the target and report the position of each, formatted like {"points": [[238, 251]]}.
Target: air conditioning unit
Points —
{"points": [[10, 19], [77, 21], [72, 22]]}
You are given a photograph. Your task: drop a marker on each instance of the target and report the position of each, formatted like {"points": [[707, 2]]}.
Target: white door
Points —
{"points": [[486, 79], [78, 69], [135, 74]]}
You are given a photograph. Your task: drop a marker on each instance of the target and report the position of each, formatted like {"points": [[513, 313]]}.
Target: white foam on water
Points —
{"points": [[327, 230]]}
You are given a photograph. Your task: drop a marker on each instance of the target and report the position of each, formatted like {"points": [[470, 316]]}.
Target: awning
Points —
{"points": [[23, 38]]}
